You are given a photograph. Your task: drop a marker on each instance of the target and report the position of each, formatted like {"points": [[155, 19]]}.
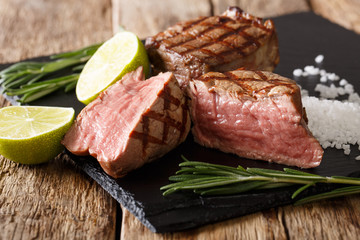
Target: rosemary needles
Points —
{"points": [[213, 179], [32, 80]]}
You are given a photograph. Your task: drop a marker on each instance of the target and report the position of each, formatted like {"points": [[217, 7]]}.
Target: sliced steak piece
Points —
{"points": [[218, 43], [131, 123], [256, 115]]}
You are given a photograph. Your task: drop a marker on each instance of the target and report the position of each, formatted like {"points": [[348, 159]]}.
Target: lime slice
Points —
{"points": [[119, 55], [32, 135]]}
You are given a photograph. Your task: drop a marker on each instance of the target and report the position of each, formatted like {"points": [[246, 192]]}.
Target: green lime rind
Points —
{"points": [[35, 150], [89, 87]]}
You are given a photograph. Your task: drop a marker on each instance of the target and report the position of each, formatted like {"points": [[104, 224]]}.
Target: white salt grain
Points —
{"points": [[315, 71], [326, 144], [308, 68], [343, 82], [349, 88], [332, 77], [357, 158], [323, 79], [340, 91], [354, 97], [297, 72], [322, 72], [319, 58], [312, 70]]}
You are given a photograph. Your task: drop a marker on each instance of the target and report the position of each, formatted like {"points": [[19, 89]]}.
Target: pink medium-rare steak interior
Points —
{"points": [[257, 115], [132, 122], [96, 125]]}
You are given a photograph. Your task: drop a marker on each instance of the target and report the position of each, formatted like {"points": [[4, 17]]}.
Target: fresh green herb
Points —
{"points": [[33, 80], [213, 179]]}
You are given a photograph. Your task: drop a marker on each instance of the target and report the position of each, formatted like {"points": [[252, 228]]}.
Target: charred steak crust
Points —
{"points": [[218, 43], [165, 118], [161, 128], [253, 84], [254, 114]]}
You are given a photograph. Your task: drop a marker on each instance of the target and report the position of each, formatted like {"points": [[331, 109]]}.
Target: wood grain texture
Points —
{"points": [[40, 27], [332, 219], [343, 12], [53, 200], [148, 17], [263, 8]]}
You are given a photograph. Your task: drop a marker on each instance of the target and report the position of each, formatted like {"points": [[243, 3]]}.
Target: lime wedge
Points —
{"points": [[119, 55], [31, 134]]}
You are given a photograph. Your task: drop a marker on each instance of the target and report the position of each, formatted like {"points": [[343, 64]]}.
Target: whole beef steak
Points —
{"points": [[253, 114], [218, 43]]}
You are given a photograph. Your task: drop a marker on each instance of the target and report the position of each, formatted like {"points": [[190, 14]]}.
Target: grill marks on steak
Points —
{"points": [[131, 123], [163, 117], [256, 115], [218, 43]]}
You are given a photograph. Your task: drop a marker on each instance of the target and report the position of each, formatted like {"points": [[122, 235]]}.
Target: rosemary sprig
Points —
{"points": [[214, 179], [32, 80]]}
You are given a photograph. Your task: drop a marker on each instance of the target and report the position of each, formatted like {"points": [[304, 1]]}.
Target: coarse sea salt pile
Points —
{"points": [[334, 123]]}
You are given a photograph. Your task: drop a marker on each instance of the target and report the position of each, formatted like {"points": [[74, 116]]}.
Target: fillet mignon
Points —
{"points": [[254, 114], [131, 123], [217, 43]]}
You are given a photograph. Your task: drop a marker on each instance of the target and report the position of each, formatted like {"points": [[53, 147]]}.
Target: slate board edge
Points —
{"points": [[280, 197]]}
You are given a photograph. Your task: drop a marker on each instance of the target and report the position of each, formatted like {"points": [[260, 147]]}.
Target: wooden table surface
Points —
{"points": [[58, 201]]}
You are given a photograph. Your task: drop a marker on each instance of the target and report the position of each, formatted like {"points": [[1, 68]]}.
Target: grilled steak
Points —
{"points": [[254, 114], [218, 43], [131, 123]]}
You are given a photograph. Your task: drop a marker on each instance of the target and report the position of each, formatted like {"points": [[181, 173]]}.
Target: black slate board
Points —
{"points": [[301, 38]]}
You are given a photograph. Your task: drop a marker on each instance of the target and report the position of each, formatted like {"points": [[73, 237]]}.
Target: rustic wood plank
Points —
{"points": [[40, 27], [3, 102], [332, 219], [343, 12], [147, 18], [142, 17], [263, 8], [53, 200], [254, 226]]}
